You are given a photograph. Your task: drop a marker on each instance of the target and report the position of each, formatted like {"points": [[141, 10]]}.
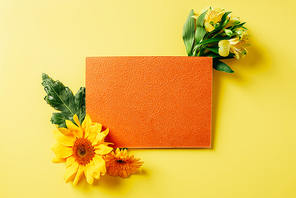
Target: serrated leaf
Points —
{"points": [[188, 33], [58, 118], [79, 100], [221, 66], [62, 99]]}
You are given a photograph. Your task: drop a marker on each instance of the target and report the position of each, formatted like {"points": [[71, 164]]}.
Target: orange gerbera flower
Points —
{"points": [[82, 147], [121, 164]]}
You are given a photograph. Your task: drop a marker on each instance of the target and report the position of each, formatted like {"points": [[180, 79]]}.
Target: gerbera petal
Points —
{"points": [[88, 174], [74, 129], [62, 139], [61, 151], [121, 164], [79, 174], [117, 151], [124, 174], [94, 130], [102, 149], [70, 172]]}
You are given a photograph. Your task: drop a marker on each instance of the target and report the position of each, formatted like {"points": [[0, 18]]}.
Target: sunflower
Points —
{"points": [[82, 147], [121, 164]]}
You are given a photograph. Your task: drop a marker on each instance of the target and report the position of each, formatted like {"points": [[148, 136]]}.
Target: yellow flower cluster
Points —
{"points": [[215, 33]]}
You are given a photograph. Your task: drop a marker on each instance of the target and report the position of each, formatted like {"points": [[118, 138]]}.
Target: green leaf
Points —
{"points": [[237, 26], [228, 32], [79, 100], [200, 20], [200, 32], [58, 119], [220, 66], [224, 20], [62, 99], [214, 49], [188, 33]]}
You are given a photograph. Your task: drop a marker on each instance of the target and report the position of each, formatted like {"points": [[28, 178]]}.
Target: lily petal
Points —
{"points": [[224, 47]]}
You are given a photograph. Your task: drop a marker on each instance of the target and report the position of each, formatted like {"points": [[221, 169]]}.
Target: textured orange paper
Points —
{"points": [[151, 102]]}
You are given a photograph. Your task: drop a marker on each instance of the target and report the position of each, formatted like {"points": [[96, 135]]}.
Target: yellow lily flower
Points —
{"points": [[235, 45], [232, 21], [212, 17]]}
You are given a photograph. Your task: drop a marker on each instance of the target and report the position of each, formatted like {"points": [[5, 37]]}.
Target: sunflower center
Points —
{"points": [[83, 151]]}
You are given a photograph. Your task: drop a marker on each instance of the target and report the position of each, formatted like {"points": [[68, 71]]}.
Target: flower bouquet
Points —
{"points": [[215, 33]]}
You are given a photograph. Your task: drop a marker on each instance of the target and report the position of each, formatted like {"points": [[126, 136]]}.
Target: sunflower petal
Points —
{"points": [[62, 139], [70, 172], [58, 160], [100, 136], [76, 120], [61, 151], [65, 131], [79, 174], [99, 164], [77, 131], [86, 124], [70, 161], [102, 149], [106, 131], [88, 174], [94, 130]]}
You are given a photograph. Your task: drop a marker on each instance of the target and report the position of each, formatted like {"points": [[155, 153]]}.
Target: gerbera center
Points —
{"points": [[83, 151]]}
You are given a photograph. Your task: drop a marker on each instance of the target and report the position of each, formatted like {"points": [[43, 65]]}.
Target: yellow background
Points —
{"points": [[254, 109]]}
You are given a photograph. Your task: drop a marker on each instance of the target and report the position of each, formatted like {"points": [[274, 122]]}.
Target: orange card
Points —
{"points": [[151, 102]]}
